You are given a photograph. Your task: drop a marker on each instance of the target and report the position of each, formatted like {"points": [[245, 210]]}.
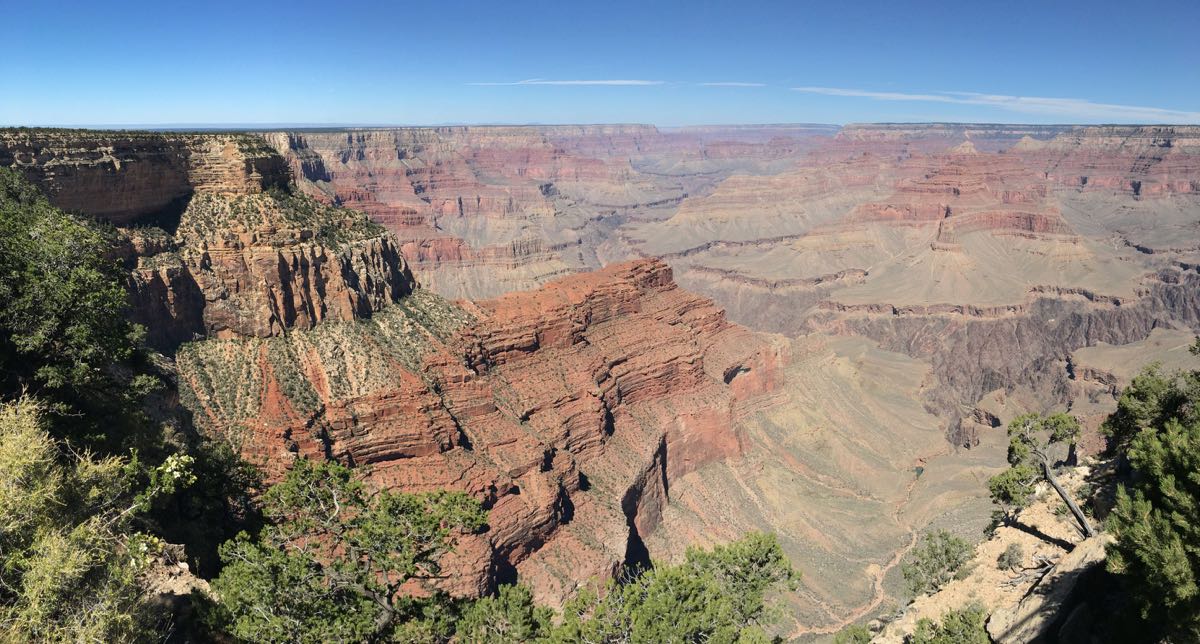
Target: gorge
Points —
{"points": [[626, 340]]}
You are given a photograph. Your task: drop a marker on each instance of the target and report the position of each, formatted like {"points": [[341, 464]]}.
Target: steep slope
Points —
{"points": [[569, 411], [933, 279]]}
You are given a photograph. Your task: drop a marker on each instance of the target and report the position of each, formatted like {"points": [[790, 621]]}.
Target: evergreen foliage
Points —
{"points": [[70, 555], [716, 595], [853, 634], [331, 565], [1150, 400], [962, 626], [933, 563], [63, 333], [1031, 439], [1156, 521]]}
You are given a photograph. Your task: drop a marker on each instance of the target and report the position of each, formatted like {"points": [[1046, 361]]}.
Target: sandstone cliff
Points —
{"points": [[216, 242], [569, 410], [131, 177]]}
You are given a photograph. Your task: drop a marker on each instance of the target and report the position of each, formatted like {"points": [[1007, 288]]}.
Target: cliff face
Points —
{"points": [[925, 272], [237, 253], [482, 211], [128, 177], [569, 410]]}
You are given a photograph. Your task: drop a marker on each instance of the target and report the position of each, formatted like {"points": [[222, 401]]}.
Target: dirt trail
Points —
{"points": [[879, 593]]}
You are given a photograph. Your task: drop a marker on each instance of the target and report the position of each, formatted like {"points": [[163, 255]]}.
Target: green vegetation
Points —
{"points": [[63, 334], [1156, 521], [509, 617], [962, 626], [332, 563], [713, 596], [70, 553], [335, 562], [1030, 440], [1012, 558], [1150, 400], [93, 447], [933, 563], [276, 212], [853, 634]]}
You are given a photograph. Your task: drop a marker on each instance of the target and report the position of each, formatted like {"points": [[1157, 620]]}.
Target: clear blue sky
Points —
{"points": [[363, 62]]}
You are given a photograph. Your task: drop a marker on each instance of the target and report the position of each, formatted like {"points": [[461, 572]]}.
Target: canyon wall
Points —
{"points": [[132, 177], [481, 211], [929, 282], [569, 411]]}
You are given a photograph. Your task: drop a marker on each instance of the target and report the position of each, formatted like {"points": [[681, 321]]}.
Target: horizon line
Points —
{"points": [[251, 126]]}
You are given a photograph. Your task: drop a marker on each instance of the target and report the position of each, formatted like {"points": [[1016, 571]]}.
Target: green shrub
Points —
{"points": [[71, 557], [962, 626], [1156, 523], [716, 595], [853, 634], [933, 563], [332, 563], [1012, 558]]}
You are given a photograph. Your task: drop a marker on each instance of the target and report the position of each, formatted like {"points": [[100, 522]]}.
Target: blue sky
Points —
{"points": [[668, 63]]}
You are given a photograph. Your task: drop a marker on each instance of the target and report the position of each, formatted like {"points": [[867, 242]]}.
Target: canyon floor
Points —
{"points": [[626, 340]]}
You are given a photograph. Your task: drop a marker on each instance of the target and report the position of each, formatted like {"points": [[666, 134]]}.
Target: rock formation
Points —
{"points": [[569, 410], [930, 281]]}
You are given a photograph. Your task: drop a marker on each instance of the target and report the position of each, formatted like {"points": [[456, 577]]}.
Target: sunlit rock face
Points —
{"points": [[812, 331]]}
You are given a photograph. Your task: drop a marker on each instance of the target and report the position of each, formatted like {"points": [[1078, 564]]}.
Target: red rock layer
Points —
{"points": [[1145, 161], [966, 192], [567, 410]]}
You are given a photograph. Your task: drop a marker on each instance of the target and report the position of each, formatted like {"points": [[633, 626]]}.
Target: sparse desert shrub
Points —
{"points": [[934, 562], [70, 553], [853, 634], [1012, 558], [962, 626]]}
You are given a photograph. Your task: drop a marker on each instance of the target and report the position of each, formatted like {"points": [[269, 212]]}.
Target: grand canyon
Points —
{"points": [[628, 340]]}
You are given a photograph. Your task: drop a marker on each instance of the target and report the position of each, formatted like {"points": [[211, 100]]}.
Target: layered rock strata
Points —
{"points": [[130, 177], [568, 410]]}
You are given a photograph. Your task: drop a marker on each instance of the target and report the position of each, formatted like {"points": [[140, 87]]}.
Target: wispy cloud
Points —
{"points": [[732, 84], [1066, 107], [542, 81]]}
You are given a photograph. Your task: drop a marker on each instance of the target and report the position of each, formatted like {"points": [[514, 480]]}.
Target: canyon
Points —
{"points": [[627, 340]]}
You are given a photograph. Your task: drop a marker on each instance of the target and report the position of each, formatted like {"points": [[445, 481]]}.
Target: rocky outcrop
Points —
{"points": [[128, 177], [567, 410], [1138, 161], [972, 357], [237, 253], [1043, 611]]}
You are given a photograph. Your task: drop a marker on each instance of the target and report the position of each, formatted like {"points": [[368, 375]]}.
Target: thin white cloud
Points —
{"points": [[542, 81], [732, 84], [1066, 107]]}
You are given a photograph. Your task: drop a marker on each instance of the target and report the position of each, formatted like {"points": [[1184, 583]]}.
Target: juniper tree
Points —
{"points": [[933, 563], [1031, 437], [71, 553], [334, 563], [1156, 523], [716, 596]]}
